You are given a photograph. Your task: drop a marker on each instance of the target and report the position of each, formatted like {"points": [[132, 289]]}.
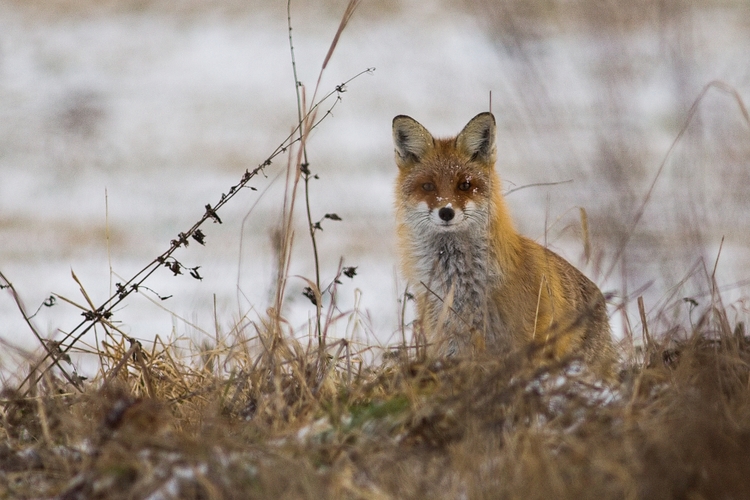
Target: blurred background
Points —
{"points": [[121, 119]]}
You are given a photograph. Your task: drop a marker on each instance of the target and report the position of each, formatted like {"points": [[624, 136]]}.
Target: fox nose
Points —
{"points": [[446, 214]]}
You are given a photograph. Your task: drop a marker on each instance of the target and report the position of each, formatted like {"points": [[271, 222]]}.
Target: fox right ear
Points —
{"points": [[411, 139], [477, 139]]}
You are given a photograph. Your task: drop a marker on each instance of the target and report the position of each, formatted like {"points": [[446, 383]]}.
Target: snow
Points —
{"points": [[128, 123]]}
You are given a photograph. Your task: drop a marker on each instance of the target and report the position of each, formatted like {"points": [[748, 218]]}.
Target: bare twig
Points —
{"points": [[104, 311], [304, 164], [644, 323], [54, 354], [717, 84], [536, 184], [305, 170]]}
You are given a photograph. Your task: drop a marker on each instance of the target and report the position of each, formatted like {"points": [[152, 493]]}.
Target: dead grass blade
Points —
{"points": [[716, 84]]}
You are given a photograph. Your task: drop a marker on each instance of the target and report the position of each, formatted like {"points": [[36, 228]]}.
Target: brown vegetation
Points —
{"points": [[290, 422], [260, 415]]}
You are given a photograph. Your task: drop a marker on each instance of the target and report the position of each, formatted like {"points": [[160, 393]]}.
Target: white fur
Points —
{"points": [[452, 261]]}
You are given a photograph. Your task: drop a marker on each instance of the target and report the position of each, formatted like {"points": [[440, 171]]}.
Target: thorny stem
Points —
{"points": [[105, 310], [56, 356], [305, 168], [318, 309]]}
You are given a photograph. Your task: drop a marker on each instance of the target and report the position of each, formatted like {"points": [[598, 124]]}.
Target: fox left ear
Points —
{"points": [[477, 139], [411, 139]]}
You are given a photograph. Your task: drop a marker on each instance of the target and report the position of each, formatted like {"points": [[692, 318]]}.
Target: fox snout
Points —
{"points": [[448, 216], [446, 213]]}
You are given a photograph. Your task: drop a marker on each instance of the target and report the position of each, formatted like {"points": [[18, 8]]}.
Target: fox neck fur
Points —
{"points": [[457, 268], [478, 283], [457, 274]]}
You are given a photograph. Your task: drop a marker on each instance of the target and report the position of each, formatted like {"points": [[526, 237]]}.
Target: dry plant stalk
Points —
{"points": [[102, 314], [157, 424]]}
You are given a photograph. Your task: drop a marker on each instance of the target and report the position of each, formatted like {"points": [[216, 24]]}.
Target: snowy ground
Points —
{"points": [[127, 121]]}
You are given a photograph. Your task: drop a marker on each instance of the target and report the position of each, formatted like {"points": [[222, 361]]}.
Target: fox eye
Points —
{"points": [[464, 186], [428, 186]]}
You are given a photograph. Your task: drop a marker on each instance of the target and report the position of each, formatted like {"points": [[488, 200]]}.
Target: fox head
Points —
{"points": [[445, 184]]}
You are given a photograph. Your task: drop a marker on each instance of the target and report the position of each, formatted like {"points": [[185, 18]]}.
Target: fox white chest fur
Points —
{"points": [[452, 272], [445, 222], [478, 283]]}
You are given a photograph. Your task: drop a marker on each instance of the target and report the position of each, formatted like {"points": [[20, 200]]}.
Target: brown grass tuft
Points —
{"points": [[259, 414], [280, 420]]}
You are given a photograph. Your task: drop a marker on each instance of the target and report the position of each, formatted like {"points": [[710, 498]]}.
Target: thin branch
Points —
{"points": [[124, 290], [536, 184], [717, 84], [51, 353], [305, 170]]}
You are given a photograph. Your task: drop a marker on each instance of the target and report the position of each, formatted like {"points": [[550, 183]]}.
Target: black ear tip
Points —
{"points": [[398, 118], [487, 114]]}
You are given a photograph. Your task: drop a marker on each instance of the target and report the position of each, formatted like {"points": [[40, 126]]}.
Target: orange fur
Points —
{"points": [[478, 283]]}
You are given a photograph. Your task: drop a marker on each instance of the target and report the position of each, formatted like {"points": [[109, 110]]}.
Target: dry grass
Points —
{"points": [[258, 414], [279, 420]]}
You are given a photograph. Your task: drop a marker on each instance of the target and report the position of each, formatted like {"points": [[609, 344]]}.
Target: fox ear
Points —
{"points": [[411, 139], [477, 139]]}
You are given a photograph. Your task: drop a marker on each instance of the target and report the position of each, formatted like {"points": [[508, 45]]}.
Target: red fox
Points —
{"points": [[480, 285]]}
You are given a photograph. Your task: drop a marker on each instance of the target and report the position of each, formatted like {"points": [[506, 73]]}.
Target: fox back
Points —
{"points": [[479, 285]]}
